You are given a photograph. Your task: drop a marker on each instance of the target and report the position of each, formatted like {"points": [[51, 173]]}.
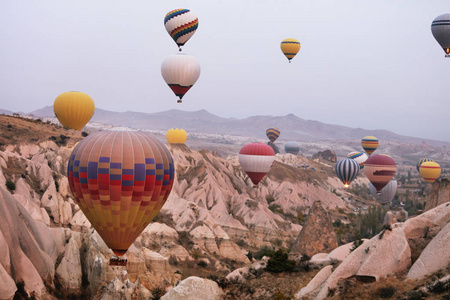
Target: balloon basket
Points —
{"points": [[447, 55], [117, 261], [179, 101]]}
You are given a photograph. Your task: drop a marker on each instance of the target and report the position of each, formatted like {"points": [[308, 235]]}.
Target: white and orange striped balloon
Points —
{"points": [[256, 159]]}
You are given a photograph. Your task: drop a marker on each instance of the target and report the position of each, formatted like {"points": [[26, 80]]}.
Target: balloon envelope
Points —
{"points": [[176, 136], [359, 157], [346, 169], [420, 162], [440, 28], [180, 71], [430, 171], [292, 147], [290, 48], [369, 144], [256, 159], [380, 169], [386, 194], [74, 109], [273, 133], [181, 25], [120, 180]]}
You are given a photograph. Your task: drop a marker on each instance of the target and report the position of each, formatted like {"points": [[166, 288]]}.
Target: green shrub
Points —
{"points": [[84, 134], [264, 251], [279, 262], [387, 291], [10, 185], [270, 199]]}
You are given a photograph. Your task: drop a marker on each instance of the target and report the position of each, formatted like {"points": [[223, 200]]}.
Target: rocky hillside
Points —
{"points": [[211, 223], [212, 219]]}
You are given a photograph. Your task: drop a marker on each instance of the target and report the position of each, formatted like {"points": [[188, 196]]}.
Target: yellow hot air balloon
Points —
{"points": [[290, 48], [430, 171], [74, 109], [176, 136]]}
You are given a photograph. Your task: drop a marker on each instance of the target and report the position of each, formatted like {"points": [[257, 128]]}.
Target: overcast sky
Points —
{"points": [[362, 63]]}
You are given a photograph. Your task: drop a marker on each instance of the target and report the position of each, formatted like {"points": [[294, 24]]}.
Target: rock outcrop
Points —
{"points": [[195, 288], [317, 235], [327, 155], [440, 193]]}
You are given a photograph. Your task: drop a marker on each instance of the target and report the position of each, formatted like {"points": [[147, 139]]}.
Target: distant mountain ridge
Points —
{"points": [[291, 126]]}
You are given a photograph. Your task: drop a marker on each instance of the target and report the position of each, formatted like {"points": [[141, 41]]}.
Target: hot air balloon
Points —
{"points": [[440, 28], [290, 48], [430, 171], [292, 147], [380, 169], [176, 136], [181, 24], [359, 157], [369, 144], [421, 162], [273, 133], [180, 71], [256, 159], [386, 194], [120, 180], [346, 169], [74, 109]]}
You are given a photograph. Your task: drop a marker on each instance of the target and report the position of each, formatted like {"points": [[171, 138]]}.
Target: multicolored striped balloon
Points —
{"points": [[380, 169], [290, 48], [386, 194], [359, 157], [346, 169], [181, 24], [273, 133], [256, 159], [369, 144], [440, 28], [120, 180], [420, 162], [430, 171], [180, 71]]}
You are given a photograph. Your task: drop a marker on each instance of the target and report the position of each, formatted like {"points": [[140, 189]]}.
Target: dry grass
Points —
{"points": [[18, 130]]}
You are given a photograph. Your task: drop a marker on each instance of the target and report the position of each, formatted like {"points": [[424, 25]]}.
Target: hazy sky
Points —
{"points": [[362, 63]]}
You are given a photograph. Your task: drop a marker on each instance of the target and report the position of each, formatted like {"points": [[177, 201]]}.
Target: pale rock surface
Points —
{"points": [[123, 289], [389, 218], [69, 273], [337, 255], [314, 285], [375, 258], [79, 222], [195, 288], [437, 217], [231, 250], [8, 286], [29, 150], [434, 257], [31, 246], [241, 274]]}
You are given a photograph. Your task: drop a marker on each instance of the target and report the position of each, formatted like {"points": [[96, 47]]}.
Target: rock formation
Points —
{"points": [[327, 155], [440, 193], [317, 235], [195, 288]]}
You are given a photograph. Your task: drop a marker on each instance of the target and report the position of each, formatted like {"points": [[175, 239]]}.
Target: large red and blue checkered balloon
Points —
{"points": [[120, 180]]}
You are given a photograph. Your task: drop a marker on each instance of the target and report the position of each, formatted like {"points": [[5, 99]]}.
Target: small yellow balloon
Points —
{"points": [[176, 136], [290, 48], [74, 109], [430, 171]]}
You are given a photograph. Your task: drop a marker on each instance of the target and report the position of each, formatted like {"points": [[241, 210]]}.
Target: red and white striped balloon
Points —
{"points": [[256, 159]]}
